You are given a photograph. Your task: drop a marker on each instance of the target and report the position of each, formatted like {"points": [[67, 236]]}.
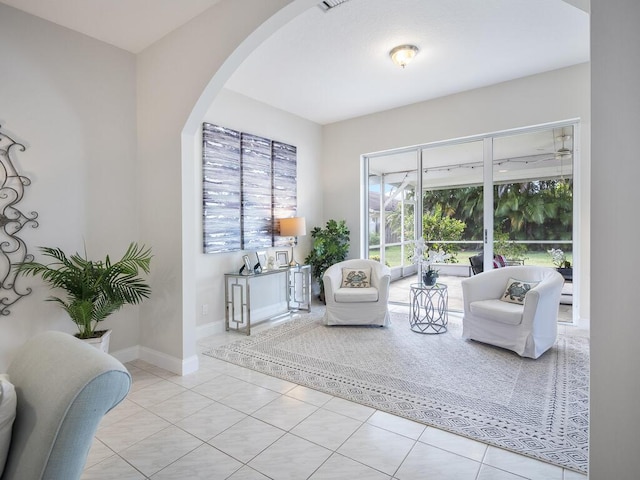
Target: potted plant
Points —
{"points": [[563, 266], [330, 245], [95, 288], [425, 258]]}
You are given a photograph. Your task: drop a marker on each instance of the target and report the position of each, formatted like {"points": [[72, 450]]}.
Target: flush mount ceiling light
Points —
{"points": [[329, 4], [403, 54]]}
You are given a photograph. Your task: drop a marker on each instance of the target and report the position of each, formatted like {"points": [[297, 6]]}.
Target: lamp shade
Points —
{"points": [[293, 227]]}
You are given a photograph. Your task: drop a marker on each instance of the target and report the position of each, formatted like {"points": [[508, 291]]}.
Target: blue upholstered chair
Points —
{"points": [[64, 387]]}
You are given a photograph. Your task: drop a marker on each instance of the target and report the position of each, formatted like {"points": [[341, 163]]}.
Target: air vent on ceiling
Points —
{"points": [[327, 5]]}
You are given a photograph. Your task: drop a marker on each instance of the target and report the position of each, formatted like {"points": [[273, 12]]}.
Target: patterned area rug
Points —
{"points": [[538, 408]]}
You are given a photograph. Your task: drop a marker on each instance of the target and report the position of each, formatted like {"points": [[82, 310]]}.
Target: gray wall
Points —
{"points": [[71, 100], [615, 368]]}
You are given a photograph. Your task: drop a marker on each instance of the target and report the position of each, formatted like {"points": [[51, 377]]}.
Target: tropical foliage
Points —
{"points": [[536, 210], [330, 245], [95, 289]]}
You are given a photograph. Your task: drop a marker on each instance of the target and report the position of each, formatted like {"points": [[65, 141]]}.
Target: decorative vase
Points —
{"points": [[429, 278]]}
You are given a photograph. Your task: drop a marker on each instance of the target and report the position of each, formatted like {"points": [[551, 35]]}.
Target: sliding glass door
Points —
{"points": [[452, 200], [507, 194]]}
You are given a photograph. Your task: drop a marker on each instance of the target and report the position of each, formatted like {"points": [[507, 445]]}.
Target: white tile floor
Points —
{"points": [[228, 422]]}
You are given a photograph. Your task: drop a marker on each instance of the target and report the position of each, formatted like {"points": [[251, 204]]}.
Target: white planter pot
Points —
{"points": [[102, 342]]}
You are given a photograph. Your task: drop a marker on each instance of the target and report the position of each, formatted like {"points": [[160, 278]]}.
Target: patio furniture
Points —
{"points": [[530, 328], [477, 263], [356, 293], [499, 261]]}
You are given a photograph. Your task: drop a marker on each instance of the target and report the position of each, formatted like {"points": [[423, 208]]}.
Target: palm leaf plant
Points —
{"points": [[95, 289]]}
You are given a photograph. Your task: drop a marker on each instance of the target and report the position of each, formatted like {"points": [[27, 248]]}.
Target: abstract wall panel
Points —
{"points": [[248, 183], [221, 189], [285, 183], [257, 206]]}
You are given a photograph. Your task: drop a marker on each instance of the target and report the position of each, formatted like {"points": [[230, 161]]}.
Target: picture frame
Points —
{"points": [[262, 259], [282, 258], [248, 267]]}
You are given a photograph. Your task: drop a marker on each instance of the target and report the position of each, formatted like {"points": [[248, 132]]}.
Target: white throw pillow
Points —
{"points": [[516, 290], [356, 277], [8, 402]]}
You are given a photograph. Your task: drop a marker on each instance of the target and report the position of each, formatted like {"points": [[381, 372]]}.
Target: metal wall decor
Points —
{"points": [[248, 183], [13, 249]]}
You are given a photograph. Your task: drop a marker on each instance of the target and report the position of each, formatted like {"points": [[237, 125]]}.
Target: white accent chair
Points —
{"points": [[357, 306], [529, 329]]}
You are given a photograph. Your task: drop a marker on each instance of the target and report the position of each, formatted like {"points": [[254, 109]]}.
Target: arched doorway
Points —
{"points": [[191, 176]]}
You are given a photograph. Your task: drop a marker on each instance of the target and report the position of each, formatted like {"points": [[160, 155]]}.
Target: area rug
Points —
{"points": [[538, 408]]}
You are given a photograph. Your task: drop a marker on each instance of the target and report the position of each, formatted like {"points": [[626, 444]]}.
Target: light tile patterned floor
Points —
{"points": [[228, 422]]}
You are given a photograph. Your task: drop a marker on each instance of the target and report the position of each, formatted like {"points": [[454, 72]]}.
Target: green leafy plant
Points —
{"points": [[508, 248], [95, 289], [330, 245]]}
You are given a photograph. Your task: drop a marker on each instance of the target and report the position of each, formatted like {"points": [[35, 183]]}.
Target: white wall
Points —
{"points": [[548, 97], [60, 89], [71, 100], [178, 79], [615, 364], [241, 113]]}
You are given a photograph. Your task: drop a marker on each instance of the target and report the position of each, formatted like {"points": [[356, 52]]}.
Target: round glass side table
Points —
{"points": [[428, 308]]}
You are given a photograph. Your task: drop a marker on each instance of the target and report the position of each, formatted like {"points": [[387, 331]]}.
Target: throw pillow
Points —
{"points": [[8, 402], [499, 261], [356, 277], [516, 290]]}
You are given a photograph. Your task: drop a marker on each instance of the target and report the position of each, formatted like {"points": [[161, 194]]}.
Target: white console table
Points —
{"points": [[237, 294]]}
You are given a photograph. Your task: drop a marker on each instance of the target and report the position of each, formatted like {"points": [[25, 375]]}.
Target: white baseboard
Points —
{"points": [[127, 354], [257, 315], [172, 364], [208, 329], [159, 359]]}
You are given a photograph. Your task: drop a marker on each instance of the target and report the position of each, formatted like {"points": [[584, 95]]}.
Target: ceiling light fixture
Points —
{"points": [[403, 54], [329, 4], [563, 152]]}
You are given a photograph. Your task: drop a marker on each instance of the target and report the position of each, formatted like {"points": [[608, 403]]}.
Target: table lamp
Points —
{"points": [[293, 227]]}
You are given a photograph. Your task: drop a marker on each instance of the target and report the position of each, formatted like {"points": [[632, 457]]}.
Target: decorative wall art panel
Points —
{"points": [[221, 189], [248, 183], [13, 249], [257, 209], [285, 183]]}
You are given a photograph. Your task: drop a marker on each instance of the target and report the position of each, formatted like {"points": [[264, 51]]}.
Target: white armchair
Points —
{"points": [[529, 329], [357, 306]]}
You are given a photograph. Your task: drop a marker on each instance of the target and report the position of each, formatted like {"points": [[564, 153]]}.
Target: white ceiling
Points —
{"points": [[327, 67], [332, 66], [132, 25]]}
